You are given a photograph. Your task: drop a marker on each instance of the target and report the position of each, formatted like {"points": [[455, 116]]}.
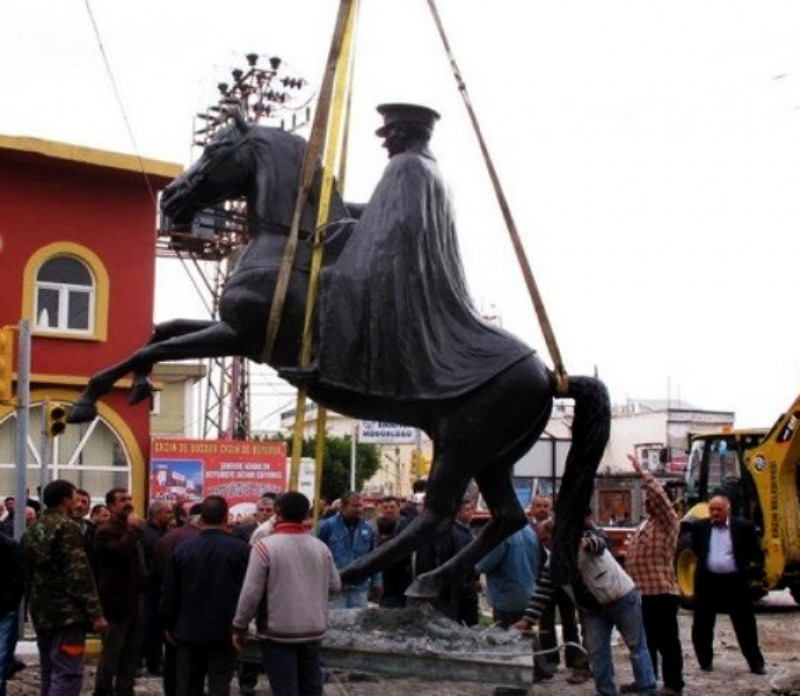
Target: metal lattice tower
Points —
{"points": [[263, 95]]}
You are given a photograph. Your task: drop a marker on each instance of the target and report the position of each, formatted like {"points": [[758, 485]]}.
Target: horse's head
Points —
{"points": [[222, 173], [259, 162]]}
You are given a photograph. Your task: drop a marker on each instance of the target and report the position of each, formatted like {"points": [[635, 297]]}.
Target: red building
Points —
{"points": [[77, 249]]}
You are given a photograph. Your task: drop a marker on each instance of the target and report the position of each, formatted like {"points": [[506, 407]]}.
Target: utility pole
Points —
{"points": [[23, 415]]}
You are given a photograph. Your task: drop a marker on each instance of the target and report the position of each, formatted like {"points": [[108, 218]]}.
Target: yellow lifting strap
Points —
{"points": [[533, 290], [316, 140], [338, 118]]}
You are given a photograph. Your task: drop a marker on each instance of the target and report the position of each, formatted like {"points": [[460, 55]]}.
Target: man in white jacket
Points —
{"points": [[295, 572], [608, 599]]}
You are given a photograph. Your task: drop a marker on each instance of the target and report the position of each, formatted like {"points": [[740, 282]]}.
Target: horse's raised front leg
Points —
{"points": [[215, 339], [142, 387]]}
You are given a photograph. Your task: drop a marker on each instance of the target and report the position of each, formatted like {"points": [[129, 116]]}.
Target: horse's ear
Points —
{"points": [[239, 120]]}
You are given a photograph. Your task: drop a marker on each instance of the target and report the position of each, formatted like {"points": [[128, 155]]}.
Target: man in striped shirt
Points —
{"points": [[650, 562]]}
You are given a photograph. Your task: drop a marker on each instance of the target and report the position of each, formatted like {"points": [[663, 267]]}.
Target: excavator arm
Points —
{"points": [[773, 466]]}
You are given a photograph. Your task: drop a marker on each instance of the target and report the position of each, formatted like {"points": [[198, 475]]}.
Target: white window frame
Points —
{"points": [[65, 292]]}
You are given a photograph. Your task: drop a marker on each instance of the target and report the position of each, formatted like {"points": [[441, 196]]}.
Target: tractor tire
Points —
{"points": [[685, 564]]}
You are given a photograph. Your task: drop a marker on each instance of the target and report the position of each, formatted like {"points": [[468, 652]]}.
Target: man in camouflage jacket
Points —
{"points": [[61, 592]]}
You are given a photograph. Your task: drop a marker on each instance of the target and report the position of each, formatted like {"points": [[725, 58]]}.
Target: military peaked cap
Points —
{"points": [[405, 113]]}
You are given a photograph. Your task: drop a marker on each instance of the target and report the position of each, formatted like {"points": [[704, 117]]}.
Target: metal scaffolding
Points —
{"points": [[264, 93]]}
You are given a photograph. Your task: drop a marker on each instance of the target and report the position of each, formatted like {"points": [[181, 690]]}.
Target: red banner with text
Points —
{"points": [[239, 470]]}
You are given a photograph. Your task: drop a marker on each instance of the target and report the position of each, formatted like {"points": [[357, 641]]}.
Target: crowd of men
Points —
{"points": [[176, 594], [641, 600]]}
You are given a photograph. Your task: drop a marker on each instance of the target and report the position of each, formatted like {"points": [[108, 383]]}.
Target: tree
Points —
{"points": [[336, 464]]}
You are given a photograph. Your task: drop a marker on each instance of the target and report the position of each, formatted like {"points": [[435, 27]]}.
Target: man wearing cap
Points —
{"points": [[398, 287]]}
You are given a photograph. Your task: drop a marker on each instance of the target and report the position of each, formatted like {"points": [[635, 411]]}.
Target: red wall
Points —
{"points": [[45, 200]]}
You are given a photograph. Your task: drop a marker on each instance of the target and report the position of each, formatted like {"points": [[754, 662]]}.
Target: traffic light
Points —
{"points": [[6, 364], [424, 464], [420, 464], [56, 419]]}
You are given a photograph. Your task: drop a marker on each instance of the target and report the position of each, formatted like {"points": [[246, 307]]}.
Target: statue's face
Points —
{"points": [[395, 141]]}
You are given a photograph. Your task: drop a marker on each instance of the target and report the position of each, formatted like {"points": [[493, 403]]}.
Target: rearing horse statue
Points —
{"points": [[396, 337]]}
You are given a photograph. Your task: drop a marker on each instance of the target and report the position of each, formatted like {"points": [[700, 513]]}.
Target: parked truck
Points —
{"points": [[759, 471]]}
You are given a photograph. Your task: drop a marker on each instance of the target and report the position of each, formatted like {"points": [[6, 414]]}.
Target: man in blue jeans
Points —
{"points": [[608, 598], [349, 537]]}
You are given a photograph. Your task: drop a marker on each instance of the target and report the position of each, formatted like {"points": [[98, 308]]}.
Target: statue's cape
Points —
{"points": [[396, 319]]}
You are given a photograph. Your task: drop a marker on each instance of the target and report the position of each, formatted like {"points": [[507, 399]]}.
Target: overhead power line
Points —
{"points": [[120, 103]]}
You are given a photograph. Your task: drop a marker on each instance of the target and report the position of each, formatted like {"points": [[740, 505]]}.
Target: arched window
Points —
{"points": [[65, 296], [66, 292]]}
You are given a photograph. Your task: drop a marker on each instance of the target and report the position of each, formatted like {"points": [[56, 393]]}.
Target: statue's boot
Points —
{"points": [[82, 411], [141, 389], [300, 376]]}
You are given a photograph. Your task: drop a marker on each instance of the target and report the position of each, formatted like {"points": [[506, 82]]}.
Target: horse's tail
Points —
{"points": [[590, 431]]}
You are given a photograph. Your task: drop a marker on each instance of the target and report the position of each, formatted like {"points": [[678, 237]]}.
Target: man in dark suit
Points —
{"points": [[120, 573], [201, 589], [725, 547]]}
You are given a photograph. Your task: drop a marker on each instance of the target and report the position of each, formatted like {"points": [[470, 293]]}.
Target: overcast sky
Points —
{"points": [[649, 151]]}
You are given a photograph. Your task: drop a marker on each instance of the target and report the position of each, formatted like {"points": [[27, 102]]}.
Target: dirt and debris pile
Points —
{"points": [[421, 630]]}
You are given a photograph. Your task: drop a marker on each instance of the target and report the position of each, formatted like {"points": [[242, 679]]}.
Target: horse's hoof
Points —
{"points": [[349, 575], [141, 389], [424, 587], [82, 412]]}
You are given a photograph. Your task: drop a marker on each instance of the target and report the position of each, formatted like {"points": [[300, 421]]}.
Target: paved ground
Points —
{"points": [[779, 630]]}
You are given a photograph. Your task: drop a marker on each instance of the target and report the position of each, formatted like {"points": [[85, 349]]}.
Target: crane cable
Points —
{"points": [[538, 304]]}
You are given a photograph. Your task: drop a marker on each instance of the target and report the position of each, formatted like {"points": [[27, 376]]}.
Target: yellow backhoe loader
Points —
{"points": [[759, 471]]}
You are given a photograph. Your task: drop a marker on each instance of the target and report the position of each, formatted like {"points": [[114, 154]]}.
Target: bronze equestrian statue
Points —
{"points": [[396, 336]]}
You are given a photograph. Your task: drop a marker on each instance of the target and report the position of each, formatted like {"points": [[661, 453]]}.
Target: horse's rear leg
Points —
{"points": [[142, 387], [513, 433], [214, 340]]}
